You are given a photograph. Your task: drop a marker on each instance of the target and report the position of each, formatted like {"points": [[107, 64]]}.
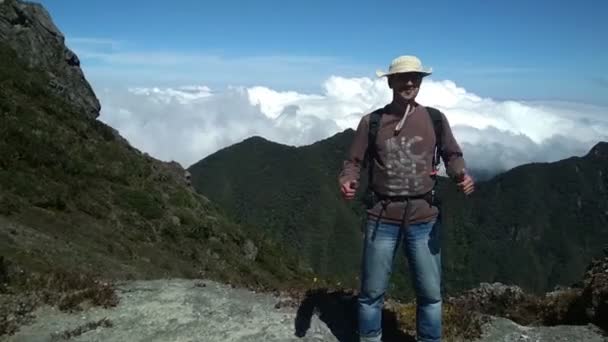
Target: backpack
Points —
{"points": [[371, 153]]}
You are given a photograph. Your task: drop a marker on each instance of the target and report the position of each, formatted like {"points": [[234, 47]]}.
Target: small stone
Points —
{"points": [[250, 250], [175, 221]]}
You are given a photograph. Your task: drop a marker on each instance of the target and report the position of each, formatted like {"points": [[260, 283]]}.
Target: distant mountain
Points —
{"points": [[289, 192], [536, 225]]}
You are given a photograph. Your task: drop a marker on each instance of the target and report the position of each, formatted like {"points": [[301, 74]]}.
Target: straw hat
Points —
{"points": [[405, 64]]}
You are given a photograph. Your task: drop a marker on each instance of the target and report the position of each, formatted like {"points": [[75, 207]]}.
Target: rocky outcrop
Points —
{"points": [[584, 303], [497, 299], [28, 29], [250, 251], [196, 309], [173, 171], [201, 310], [594, 298]]}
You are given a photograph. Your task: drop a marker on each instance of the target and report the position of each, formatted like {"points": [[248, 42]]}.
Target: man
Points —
{"points": [[402, 182]]}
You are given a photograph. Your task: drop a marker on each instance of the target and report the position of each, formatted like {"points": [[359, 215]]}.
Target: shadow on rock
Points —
{"points": [[338, 310]]}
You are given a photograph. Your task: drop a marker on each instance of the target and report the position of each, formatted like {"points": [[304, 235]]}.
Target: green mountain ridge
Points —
{"points": [[536, 225]]}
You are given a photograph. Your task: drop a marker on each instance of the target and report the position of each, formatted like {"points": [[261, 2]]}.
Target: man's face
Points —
{"points": [[405, 85]]}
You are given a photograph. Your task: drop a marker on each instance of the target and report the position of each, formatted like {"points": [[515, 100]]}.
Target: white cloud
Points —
{"points": [[188, 123], [183, 95], [272, 103]]}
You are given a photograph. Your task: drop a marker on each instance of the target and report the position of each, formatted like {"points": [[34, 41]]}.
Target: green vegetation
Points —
{"points": [[77, 199], [289, 194], [536, 226], [22, 292]]}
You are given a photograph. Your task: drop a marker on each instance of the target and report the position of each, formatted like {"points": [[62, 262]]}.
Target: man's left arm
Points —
{"points": [[452, 156]]}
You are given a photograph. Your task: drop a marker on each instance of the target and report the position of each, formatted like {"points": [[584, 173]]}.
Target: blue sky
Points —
{"points": [[521, 49]]}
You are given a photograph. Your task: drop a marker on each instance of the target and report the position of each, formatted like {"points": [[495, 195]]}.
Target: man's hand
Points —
{"points": [[349, 189], [466, 184]]}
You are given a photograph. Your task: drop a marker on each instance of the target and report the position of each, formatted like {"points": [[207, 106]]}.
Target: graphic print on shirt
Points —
{"points": [[405, 169]]}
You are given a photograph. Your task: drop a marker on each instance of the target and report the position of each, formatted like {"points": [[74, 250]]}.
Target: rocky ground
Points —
{"points": [[176, 310], [198, 310]]}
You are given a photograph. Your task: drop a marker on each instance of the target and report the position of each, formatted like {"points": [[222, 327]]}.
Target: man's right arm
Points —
{"points": [[351, 168]]}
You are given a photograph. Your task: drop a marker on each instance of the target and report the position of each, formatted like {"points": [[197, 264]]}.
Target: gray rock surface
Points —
{"points": [[198, 310], [28, 28], [179, 310], [250, 250], [504, 330]]}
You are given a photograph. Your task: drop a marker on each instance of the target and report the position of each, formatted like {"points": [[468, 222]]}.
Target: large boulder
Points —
{"points": [[28, 29]]}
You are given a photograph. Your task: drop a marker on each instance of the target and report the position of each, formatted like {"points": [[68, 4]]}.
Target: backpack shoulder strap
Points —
{"points": [[371, 152], [372, 133], [437, 119]]}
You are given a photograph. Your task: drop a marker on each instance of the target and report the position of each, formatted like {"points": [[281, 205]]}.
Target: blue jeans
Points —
{"points": [[423, 252]]}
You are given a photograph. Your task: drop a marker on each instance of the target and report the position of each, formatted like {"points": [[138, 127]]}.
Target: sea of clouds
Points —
{"points": [[188, 123]]}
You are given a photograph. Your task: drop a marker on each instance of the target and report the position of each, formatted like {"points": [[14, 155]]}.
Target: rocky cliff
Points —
{"points": [[28, 28]]}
